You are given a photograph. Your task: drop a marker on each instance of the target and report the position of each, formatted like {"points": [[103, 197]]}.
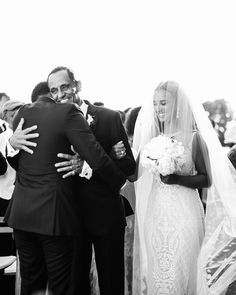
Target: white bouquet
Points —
{"points": [[163, 155]]}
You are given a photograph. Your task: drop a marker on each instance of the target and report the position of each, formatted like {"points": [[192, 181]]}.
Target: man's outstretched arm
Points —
{"points": [[20, 140]]}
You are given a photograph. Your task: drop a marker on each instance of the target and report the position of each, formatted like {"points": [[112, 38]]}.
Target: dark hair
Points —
{"points": [[98, 104], [40, 89], [71, 75], [2, 94], [131, 120]]}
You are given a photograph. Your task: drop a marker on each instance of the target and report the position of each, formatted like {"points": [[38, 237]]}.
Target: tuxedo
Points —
{"points": [[103, 211], [43, 210]]}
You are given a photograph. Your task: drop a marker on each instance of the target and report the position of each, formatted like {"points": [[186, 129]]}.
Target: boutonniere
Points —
{"points": [[90, 120]]}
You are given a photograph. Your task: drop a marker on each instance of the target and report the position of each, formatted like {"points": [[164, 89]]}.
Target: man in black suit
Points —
{"points": [[43, 211], [102, 211]]}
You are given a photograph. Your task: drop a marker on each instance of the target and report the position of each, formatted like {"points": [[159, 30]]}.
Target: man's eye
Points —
{"points": [[64, 87], [53, 90], [163, 103]]}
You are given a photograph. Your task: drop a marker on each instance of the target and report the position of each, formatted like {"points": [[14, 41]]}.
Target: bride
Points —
{"points": [[169, 228]]}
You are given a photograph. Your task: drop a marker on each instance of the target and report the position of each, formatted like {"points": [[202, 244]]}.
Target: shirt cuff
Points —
{"points": [[86, 171], [10, 151]]}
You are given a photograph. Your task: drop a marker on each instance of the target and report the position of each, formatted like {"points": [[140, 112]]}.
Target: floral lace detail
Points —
{"points": [[174, 231]]}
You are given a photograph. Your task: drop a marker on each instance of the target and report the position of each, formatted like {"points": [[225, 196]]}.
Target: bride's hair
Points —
{"points": [[170, 86]]}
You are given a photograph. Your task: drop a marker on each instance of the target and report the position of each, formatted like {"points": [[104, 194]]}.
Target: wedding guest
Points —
{"points": [[9, 111], [43, 211], [169, 214], [128, 192], [7, 179], [102, 208], [130, 121]]}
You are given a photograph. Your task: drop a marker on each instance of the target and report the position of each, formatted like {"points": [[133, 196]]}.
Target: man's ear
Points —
{"points": [[78, 86]]}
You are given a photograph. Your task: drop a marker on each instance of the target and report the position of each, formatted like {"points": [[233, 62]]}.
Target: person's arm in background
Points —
{"points": [[3, 164], [121, 152]]}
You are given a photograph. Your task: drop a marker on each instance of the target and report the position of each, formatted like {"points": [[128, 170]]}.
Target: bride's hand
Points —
{"points": [[169, 179]]}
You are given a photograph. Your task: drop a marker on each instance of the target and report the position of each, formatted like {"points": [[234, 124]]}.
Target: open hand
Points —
{"points": [[73, 164], [20, 138]]}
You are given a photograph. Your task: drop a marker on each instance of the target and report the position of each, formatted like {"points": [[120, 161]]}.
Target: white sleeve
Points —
{"points": [[86, 171], [10, 151]]}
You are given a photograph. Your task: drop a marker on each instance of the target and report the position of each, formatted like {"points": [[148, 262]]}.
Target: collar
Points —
{"points": [[84, 108]]}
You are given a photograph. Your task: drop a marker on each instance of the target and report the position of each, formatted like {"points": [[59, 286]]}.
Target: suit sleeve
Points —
{"points": [[126, 164], [3, 164], [80, 136]]}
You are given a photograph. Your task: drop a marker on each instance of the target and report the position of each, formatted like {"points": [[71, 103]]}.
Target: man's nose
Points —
{"points": [[60, 93]]}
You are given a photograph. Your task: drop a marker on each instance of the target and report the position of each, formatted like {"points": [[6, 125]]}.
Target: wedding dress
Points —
{"points": [[173, 232]]}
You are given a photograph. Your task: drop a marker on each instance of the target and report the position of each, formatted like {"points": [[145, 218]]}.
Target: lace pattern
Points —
{"points": [[173, 231]]}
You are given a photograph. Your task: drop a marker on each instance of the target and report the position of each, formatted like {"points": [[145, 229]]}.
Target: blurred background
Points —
{"points": [[121, 50]]}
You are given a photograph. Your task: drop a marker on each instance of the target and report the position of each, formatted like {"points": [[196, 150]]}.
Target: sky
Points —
{"points": [[120, 50]]}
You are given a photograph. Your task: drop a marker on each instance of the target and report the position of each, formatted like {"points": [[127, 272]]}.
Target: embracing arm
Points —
{"points": [[20, 140], [202, 164], [80, 136]]}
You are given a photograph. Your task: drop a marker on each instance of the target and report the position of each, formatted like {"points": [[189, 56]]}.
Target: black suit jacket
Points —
{"points": [[44, 202], [103, 207]]}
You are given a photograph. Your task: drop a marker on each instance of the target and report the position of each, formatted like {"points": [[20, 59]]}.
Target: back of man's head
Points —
{"points": [[41, 89], [98, 104]]}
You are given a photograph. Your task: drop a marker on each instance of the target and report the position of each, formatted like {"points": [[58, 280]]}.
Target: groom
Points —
{"points": [[43, 211]]}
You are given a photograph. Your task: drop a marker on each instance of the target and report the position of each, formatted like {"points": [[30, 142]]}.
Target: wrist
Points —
{"points": [[173, 179], [11, 143], [176, 179]]}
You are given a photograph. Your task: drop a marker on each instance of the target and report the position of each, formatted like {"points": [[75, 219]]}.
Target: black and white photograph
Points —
{"points": [[117, 147]]}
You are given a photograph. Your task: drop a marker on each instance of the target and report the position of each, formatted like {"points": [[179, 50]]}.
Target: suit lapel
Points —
{"points": [[92, 111]]}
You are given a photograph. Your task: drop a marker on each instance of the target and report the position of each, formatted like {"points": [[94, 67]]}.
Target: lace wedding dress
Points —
{"points": [[173, 232]]}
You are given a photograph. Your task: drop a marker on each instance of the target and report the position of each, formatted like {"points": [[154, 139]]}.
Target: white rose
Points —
{"points": [[166, 166]]}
